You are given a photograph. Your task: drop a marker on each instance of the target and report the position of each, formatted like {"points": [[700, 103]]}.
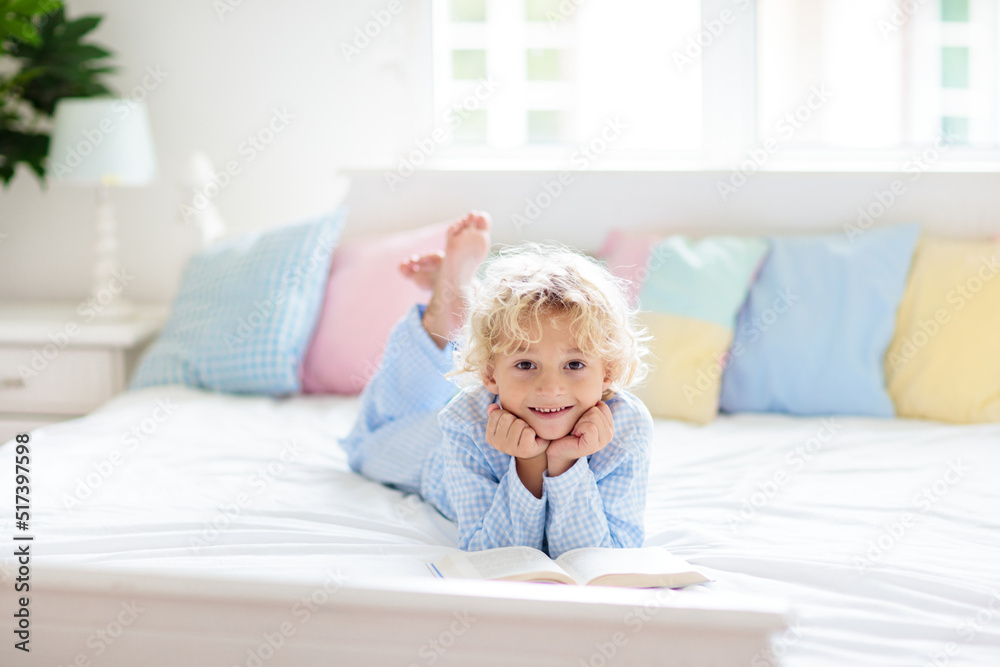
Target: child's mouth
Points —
{"points": [[549, 412]]}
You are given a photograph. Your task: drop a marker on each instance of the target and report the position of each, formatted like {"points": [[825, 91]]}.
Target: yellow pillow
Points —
{"points": [[687, 358], [944, 360]]}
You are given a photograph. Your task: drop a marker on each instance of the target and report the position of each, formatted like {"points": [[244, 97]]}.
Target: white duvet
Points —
{"points": [[882, 535]]}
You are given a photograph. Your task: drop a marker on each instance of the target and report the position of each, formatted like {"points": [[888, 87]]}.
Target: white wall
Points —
{"points": [[222, 78], [953, 205], [225, 76]]}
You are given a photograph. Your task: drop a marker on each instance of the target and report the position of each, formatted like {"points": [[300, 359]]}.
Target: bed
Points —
{"points": [[826, 446], [233, 532]]}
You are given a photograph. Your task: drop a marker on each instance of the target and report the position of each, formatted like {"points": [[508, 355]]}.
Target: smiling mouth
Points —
{"points": [[549, 411]]}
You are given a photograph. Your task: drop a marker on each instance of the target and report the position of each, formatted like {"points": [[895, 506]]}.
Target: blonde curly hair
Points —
{"points": [[527, 283]]}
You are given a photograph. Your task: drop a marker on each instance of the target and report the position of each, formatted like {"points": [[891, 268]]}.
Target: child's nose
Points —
{"points": [[550, 384]]}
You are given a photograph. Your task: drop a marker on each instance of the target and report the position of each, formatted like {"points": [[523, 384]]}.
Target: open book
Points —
{"points": [[593, 566]]}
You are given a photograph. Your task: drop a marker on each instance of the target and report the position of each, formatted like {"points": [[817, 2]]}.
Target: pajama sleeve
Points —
{"points": [[394, 452], [601, 500], [491, 505]]}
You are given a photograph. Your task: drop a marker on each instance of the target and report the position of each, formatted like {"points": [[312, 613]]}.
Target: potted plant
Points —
{"points": [[43, 59]]}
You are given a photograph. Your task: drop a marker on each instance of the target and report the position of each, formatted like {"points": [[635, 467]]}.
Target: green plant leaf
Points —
{"points": [[18, 21], [28, 147], [53, 62], [76, 29], [72, 68]]}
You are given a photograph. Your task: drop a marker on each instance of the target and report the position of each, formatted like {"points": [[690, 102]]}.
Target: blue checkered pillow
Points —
{"points": [[246, 311]]}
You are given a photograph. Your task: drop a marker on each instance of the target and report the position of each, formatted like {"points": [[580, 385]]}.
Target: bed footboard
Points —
{"points": [[95, 617]]}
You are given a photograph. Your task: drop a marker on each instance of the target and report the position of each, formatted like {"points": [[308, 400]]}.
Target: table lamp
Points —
{"points": [[103, 142]]}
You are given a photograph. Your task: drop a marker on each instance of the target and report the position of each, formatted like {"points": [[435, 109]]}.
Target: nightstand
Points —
{"points": [[58, 361]]}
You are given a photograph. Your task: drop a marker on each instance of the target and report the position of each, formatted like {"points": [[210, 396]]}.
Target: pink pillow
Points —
{"points": [[365, 297], [627, 255]]}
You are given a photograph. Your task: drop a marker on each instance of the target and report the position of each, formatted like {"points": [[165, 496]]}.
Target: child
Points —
{"points": [[545, 449]]}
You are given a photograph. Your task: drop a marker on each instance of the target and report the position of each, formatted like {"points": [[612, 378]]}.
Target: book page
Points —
{"points": [[647, 566], [512, 563]]}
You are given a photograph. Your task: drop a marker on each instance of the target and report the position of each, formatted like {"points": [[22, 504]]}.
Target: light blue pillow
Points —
{"points": [[245, 312], [811, 338]]}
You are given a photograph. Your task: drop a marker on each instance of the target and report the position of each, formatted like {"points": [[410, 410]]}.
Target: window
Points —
{"points": [[895, 72], [708, 80], [516, 74]]}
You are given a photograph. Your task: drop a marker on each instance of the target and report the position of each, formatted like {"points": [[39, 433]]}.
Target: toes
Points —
{"points": [[481, 220], [428, 261], [470, 219], [419, 263]]}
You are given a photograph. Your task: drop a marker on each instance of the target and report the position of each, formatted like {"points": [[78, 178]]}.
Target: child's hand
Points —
{"points": [[512, 436], [592, 432]]}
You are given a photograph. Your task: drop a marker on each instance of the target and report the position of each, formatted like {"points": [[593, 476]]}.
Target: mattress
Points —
{"points": [[882, 536]]}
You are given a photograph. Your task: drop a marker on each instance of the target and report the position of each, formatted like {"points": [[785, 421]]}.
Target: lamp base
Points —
{"points": [[109, 281]]}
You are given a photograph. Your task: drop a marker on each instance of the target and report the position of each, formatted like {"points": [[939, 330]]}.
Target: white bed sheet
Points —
{"points": [[824, 514]]}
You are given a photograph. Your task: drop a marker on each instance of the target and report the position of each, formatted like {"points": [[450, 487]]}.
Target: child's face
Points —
{"points": [[551, 383]]}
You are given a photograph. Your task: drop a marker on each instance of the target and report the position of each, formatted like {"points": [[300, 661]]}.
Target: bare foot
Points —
{"points": [[466, 246], [422, 269]]}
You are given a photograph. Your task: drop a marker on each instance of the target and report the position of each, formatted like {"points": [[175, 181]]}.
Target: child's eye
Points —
{"points": [[576, 365], [524, 365]]}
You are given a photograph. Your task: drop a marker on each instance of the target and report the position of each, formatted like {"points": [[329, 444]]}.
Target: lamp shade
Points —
{"points": [[97, 140]]}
